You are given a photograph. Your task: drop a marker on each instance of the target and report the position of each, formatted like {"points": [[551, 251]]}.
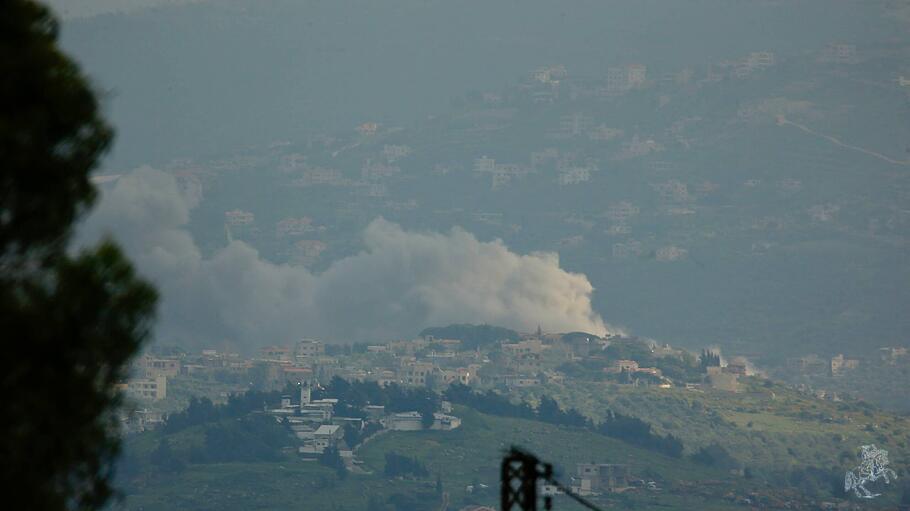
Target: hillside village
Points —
{"points": [[335, 405], [519, 361]]}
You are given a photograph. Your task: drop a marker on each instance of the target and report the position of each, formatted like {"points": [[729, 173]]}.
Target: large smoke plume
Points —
{"points": [[401, 282]]}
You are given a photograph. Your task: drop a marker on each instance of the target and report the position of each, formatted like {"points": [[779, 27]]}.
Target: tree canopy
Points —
{"points": [[71, 323], [472, 336]]}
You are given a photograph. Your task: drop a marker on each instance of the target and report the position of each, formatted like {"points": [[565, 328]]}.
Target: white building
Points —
{"points": [[574, 175], [622, 211], [445, 422], [671, 253], [325, 436], [622, 79], [760, 59], [484, 164], [294, 226], [396, 152], [405, 421], [636, 75], [238, 217]]}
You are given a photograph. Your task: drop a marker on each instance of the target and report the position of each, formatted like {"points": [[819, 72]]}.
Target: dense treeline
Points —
{"points": [[164, 459], [252, 438], [202, 411], [708, 359], [714, 455], [353, 396], [331, 458], [397, 465], [489, 402], [629, 429], [638, 432], [247, 439]]}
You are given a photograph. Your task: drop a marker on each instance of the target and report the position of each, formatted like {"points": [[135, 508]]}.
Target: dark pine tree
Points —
{"points": [[71, 323]]}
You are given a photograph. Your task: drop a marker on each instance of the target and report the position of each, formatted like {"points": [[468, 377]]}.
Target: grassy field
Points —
{"points": [[471, 454], [769, 428]]}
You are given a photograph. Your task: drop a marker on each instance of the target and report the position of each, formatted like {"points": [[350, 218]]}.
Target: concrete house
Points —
{"points": [[594, 478]]}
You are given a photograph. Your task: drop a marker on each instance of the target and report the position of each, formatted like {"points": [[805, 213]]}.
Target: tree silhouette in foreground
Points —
{"points": [[70, 323]]}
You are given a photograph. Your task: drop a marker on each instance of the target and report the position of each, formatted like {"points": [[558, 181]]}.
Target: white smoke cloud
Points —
{"points": [[400, 283]]}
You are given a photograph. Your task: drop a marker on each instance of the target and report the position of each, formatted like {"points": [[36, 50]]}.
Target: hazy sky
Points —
{"points": [[204, 79], [69, 9], [788, 235]]}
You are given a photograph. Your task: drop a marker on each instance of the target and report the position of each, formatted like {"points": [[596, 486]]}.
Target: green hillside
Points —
{"points": [[767, 427], [466, 456], [779, 458]]}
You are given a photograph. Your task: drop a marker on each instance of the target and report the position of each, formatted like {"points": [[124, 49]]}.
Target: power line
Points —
{"points": [[574, 496]]}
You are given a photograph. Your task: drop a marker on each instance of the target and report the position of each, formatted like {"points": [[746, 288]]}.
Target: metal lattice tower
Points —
{"points": [[518, 481], [519, 474]]}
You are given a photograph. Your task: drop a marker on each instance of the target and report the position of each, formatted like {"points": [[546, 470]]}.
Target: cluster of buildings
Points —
{"points": [[532, 360], [840, 364], [620, 80], [501, 174], [318, 427], [726, 377], [634, 373], [834, 366], [422, 362]]}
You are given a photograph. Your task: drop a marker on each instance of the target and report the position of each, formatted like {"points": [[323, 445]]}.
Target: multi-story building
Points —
{"points": [[275, 353], [484, 164], [524, 363], [150, 367], [636, 75], [522, 347], [417, 373], [574, 176], [671, 253], [622, 79], [147, 388], [308, 349], [620, 366], [839, 364]]}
